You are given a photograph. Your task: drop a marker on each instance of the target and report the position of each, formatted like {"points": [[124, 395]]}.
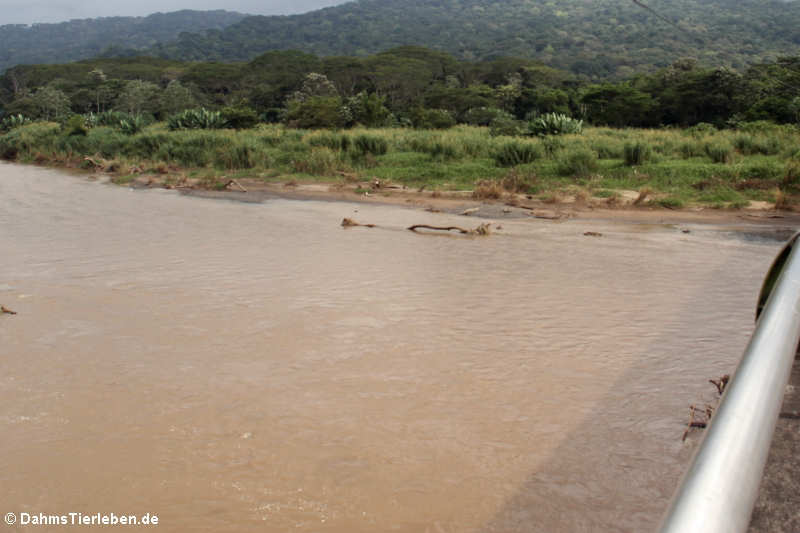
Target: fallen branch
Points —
{"points": [[350, 223], [6, 310]]}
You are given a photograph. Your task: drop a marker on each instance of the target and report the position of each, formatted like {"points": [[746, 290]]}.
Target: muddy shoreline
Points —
{"points": [[510, 206]]}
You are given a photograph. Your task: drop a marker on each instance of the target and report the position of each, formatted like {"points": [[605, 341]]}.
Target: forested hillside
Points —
{"points": [[82, 39], [597, 38], [403, 86]]}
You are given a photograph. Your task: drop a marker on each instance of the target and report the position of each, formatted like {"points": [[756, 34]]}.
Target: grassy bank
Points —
{"points": [[672, 168]]}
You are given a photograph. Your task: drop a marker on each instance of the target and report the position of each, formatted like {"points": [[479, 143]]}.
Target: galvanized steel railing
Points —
{"points": [[719, 490]]}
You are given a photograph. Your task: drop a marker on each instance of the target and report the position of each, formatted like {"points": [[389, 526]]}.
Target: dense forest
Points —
{"points": [[600, 39], [82, 39], [411, 86]]}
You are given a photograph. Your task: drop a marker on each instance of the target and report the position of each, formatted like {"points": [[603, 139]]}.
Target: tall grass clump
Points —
{"points": [[719, 152], [749, 144], [513, 153], [335, 141], [322, 161], [579, 162], [637, 153], [554, 124], [370, 144], [23, 141]]}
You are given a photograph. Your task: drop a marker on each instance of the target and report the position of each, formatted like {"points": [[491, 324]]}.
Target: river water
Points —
{"points": [[236, 366]]}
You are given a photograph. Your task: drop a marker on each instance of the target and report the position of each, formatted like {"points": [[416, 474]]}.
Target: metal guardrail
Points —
{"points": [[719, 490]]}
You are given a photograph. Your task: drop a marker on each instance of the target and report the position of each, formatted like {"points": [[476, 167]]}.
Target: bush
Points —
{"points": [[334, 141], [719, 152], [506, 126], [484, 116], [133, 125], [554, 124], [194, 119], [239, 118], [515, 153], [74, 126], [580, 162], [106, 118], [701, 129], [320, 162], [13, 121], [637, 153], [370, 144], [432, 119]]}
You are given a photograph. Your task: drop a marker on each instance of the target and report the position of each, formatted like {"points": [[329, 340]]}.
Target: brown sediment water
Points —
{"points": [[256, 367]]}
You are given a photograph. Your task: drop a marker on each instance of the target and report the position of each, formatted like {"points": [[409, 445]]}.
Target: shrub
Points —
{"points": [[239, 118], [432, 119], [580, 162], [487, 189], [701, 129], [193, 119], [517, 182], [321, 161], [608, 149], [13, 121], [791, 176], [370, 144], [133, 125], [484, 116], [506, 126], [637, 153], [105, 118], [552, 145], [515, 153], [690, 149], [719, 152], [74, 126], [554, 124], [334, 141]]}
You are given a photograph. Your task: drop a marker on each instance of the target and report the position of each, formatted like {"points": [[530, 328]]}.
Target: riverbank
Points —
{"points": [[507, 206], [751, 170]]}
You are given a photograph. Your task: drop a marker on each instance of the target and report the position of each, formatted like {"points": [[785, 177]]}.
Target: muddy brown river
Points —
{"points": [[235, 367]]}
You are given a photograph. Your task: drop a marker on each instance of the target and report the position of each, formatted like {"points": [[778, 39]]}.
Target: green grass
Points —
{"points": [[699, 166]]}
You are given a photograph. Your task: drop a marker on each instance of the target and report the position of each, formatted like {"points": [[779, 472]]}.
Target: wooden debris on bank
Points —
{"points": [[698, 421], [234, 182], [6, 310], [481, 229], [720, 383], [700, 418], [350, 223]]}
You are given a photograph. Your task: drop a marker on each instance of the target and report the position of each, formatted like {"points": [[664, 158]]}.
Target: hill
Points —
{"points": [[82, 39], [596, 38]]}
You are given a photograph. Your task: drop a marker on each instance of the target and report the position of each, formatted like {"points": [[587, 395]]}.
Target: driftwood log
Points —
{"points": [[6, 310], [482, 229]]}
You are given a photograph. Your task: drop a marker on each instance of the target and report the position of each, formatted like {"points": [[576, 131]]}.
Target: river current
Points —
{"points": [[235, 367]]}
